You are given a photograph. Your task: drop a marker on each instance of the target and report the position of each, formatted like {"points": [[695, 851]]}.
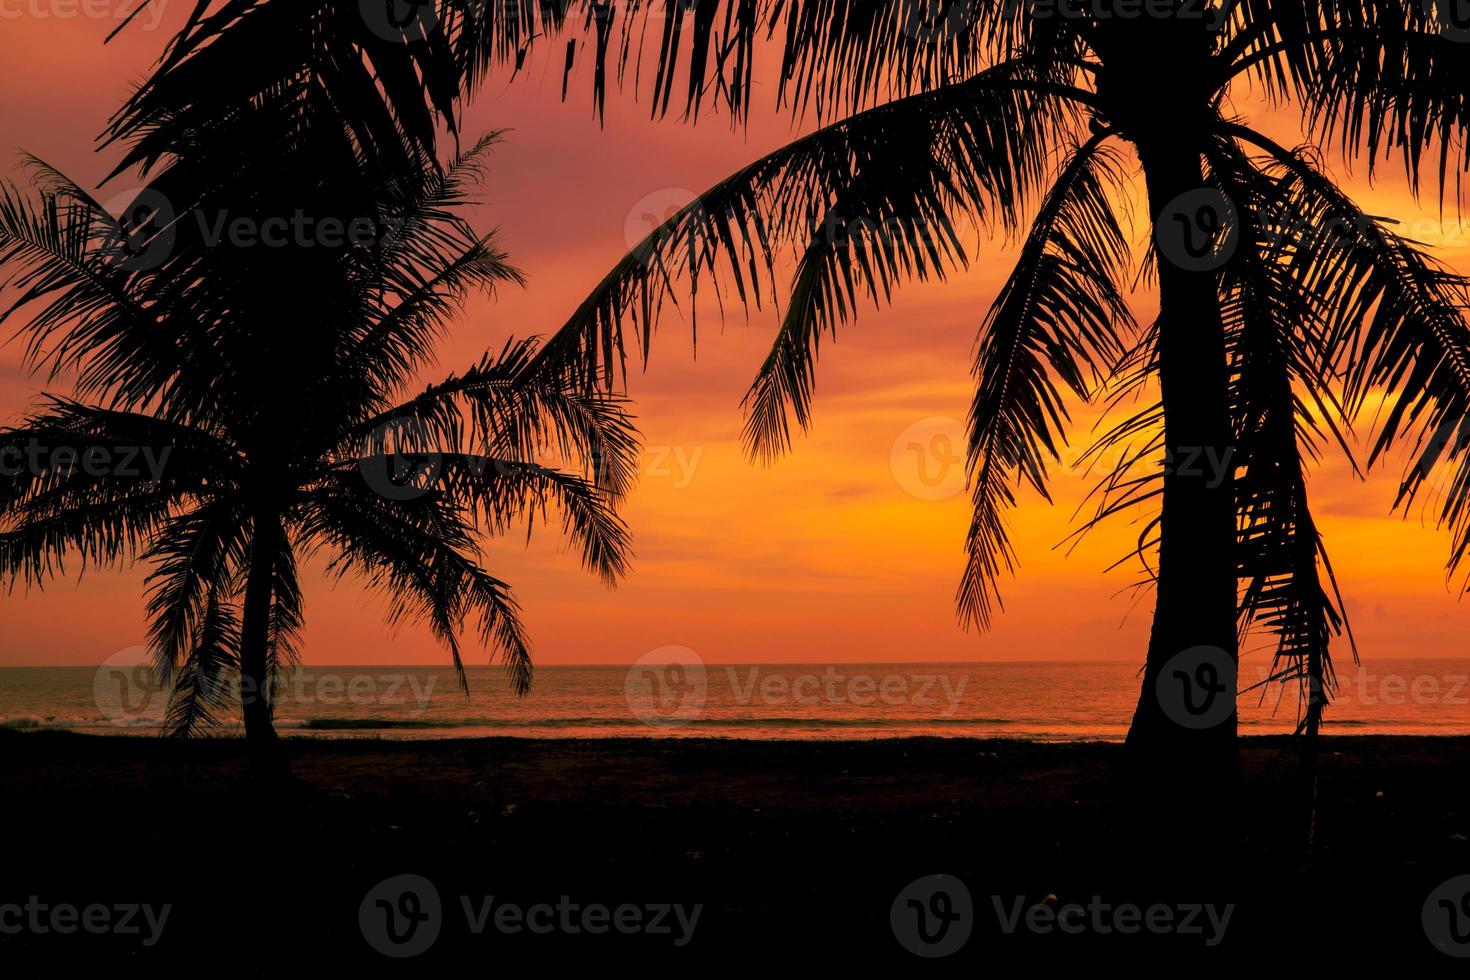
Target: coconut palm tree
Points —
{"points": [[277, 392], [1283, 305]]}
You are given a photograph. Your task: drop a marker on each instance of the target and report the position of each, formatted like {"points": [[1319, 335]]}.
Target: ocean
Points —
{"points": [[671, 696]]}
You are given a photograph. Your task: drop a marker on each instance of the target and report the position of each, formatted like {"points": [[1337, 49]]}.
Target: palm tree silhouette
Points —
{"points": [[277, 387], [1283, 305]]}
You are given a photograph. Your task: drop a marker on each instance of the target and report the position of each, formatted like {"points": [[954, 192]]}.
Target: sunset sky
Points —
{"points": [[824, 557]]}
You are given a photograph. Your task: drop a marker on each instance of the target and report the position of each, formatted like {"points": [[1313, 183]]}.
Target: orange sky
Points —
{"points": [[825, 557]]}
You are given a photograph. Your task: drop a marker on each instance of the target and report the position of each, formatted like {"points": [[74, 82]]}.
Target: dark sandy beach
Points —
{"points": [[792, 851]]}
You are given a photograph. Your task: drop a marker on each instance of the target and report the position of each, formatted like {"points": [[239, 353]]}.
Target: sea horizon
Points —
{"points": [[1032, 700]]}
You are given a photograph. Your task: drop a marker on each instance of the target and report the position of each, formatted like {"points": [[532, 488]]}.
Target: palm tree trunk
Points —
{"points": [[1192, 652], [263, 745]]}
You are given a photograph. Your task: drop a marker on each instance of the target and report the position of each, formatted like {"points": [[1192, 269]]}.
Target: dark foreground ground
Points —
{"points": [[797, 855]]}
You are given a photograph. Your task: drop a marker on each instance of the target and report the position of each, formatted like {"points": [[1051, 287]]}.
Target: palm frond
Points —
{"points": [[976, 149], [1058, 322], [1275, 339], [1395, 325], [1377, 77], [416, 555], [201, 689]]}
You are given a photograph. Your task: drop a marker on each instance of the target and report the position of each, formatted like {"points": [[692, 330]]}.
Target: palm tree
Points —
{"points": [[1301, 307], [937, 112], [277, 389]]}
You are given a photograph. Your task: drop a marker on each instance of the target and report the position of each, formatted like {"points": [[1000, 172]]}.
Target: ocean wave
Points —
{"points": [[25, 722], [776, 722]]}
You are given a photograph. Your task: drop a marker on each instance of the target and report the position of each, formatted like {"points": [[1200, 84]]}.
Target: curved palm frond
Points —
{"points": [[67, 263], [418, 556], [976, 148], [1058, 322], [1395, 324], [97, 483], [430, 259], [201, 689], [388, 94], [380, 81], [506, 407], [1276, 339], [1377, 77], [192, 555]]}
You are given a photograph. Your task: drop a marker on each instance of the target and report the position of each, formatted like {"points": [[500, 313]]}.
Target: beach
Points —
{"points": [[697, 851]]}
